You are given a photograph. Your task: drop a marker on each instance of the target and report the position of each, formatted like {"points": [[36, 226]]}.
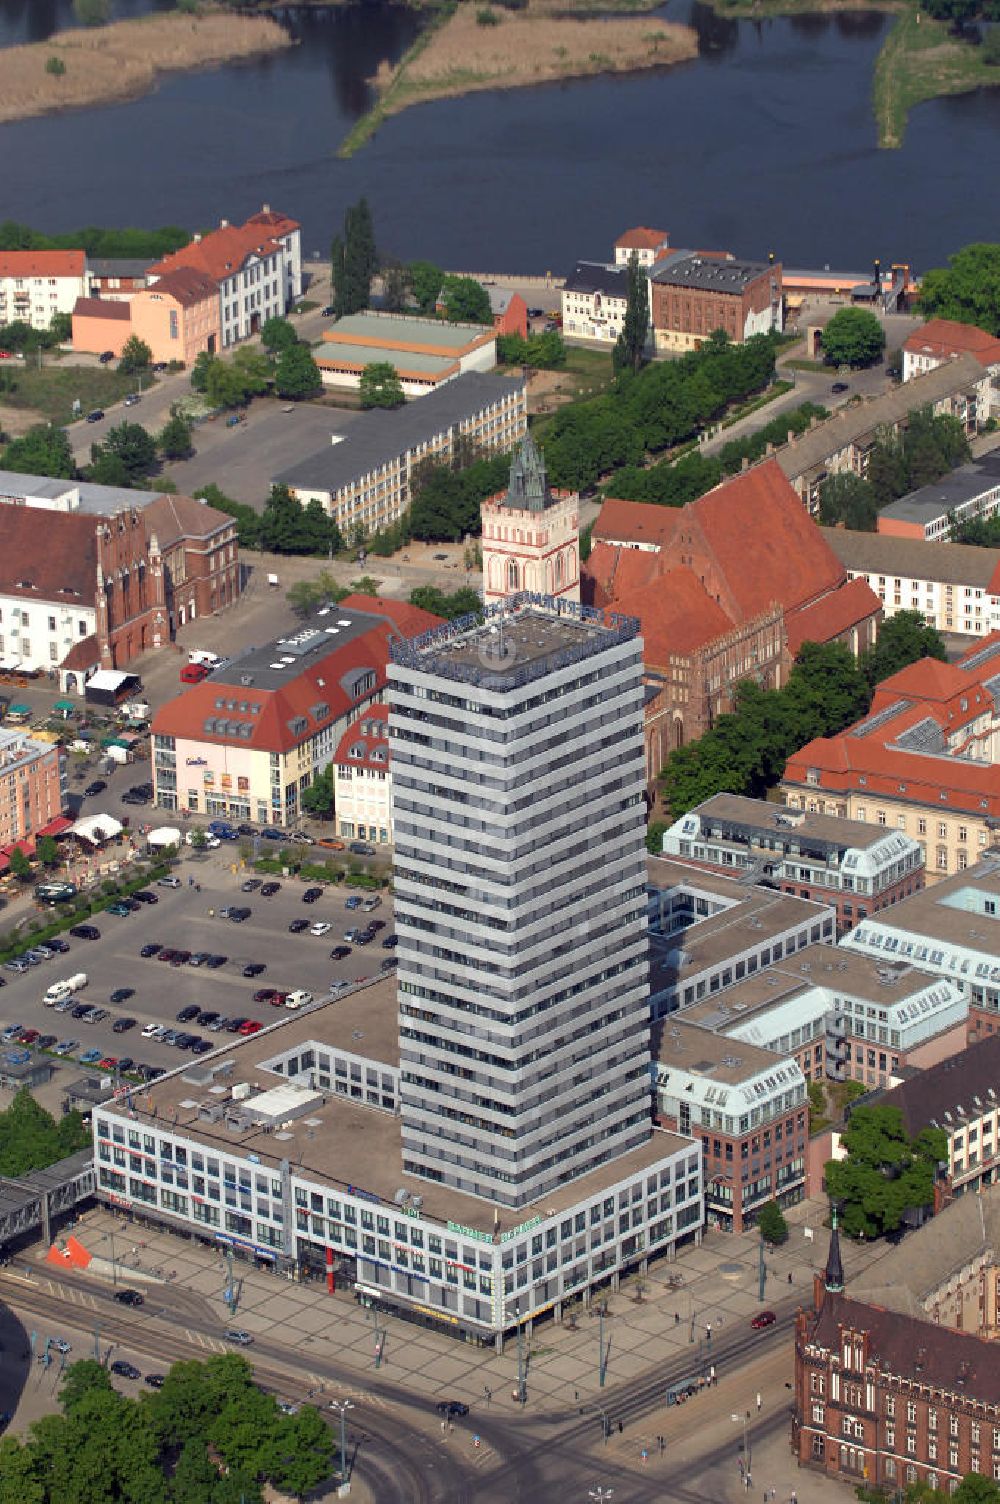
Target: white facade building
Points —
{"points": [[594, 299], [955, 586], [362, 784], [530, 535], [36, 284]]}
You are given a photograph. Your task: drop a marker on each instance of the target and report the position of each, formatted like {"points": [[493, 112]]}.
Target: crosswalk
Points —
{"points": [[212, 1344]]}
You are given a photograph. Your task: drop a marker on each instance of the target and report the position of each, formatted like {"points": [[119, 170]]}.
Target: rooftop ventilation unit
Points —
{"points": [[402, 1196]]}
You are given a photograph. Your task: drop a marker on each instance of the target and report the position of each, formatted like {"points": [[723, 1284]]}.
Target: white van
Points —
{"points": [[298, 999], [206, 660], [59, 991]]}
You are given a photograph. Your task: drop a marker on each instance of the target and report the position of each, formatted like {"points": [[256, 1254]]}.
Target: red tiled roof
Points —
{"points": [[960, 1363], [185, 716], [944, 337], [926, 679], [613, 574], [677, 615], [172, 518], [766, 544], [636, 522], [101, 308], [826, 619], [48, 557], [82, 655], [363, 738], [220, 253], [278, 224], [42, 263], [188, 285], [642, 238]]}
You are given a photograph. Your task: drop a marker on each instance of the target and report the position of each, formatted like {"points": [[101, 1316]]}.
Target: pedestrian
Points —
{"points": [[677, 1318], [759, 1402], [711, 1374], [789, 1276], [444, 1427], [621, 1427]]}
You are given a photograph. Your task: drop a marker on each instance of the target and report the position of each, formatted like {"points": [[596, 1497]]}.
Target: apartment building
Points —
{"points": [[858, 867], [32, 789], [970, 493], [594, 298], [248, 741], [362, 785], [364, 478], [941, 340], [961, 1096], [36, 284], [924, 761], [954, 586], [750, 1111], [947, 930], [694, 293], [706, 932]]}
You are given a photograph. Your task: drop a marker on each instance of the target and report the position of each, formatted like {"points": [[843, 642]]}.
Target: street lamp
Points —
{"points": [[342, 1406], [600, 1494]]}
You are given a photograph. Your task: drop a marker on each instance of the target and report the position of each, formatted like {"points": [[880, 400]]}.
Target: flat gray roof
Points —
{"points": [[942, 496], [789, 824], [380, 437], [404, 331], [328, 630], [912, 558], [936, 913], [341, 1142], [676, 1041], [101, 500], [342, 353]]}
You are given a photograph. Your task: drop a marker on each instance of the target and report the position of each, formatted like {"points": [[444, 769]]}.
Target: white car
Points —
{"points": [[150, 1030], [210, 841], [61, 1345], [320, 927], [298, 999]]}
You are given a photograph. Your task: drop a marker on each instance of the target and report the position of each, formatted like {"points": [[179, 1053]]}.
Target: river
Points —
{"points": [[765, 142]]}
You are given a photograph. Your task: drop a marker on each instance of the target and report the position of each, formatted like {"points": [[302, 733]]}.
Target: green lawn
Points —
{"points": [[592, 370], [922, 59], [52, 390]]}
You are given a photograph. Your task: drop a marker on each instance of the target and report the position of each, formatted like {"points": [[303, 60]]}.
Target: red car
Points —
{"points": [[108, 1063], [264, 995], [251, 1027], [28, 1036], [763, 1319]]}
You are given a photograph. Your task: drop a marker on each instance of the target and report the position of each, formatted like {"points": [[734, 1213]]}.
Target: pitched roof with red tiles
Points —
{"points": [[945, 337], [866, 765], [172, 518], [926, 679], [42, 263], [270, 219], [828, 618], [612, 574], [49, 556], [625, 522], [83, 654], [365, 743], [676, 614], [642, 238], [320, 683], [219, 254], [766, 544], [102, 308], [187, 284]]}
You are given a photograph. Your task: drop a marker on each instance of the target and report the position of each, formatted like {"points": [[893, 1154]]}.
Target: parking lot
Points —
{"points": [[191, 920]]}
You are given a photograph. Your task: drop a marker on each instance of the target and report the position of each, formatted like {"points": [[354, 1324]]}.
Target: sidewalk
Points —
{"points": [[719, 1288]]}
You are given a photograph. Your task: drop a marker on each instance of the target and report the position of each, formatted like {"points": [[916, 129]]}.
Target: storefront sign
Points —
{"points": [[195, 762], [243, 784], [227, 780], [470, 1232], [208, 777], [515, 1232]]}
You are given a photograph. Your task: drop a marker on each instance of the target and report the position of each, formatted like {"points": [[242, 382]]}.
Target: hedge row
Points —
{"points": [[83, 907]]}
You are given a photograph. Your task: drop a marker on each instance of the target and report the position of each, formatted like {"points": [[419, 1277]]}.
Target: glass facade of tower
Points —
{"points": [[518, 784]]}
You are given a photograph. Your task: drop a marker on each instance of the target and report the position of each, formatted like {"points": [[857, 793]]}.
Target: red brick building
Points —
{"points": [[201, 568], [727, 588], [32, 791], [692, 294], [131, 614], [890, 1400]]}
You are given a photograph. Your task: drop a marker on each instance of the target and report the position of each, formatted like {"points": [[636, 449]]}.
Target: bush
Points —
{"points": [[773, 1227], [487, 17], [55, 66]]}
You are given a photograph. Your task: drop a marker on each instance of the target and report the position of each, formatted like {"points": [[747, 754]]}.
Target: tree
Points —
{"points": [[232, 383], [381, 386], [41, 451], [353, 261], [199, 840], [47, 851], [247, 520], [136, 356], [338, 275], [277, 334], [19, 864], [297, 374], [61, 327], [175, 437], [317, 799], [31, 1139], [462, 602], [902, 639], [884, 1175], [305, 595], [967, 290], [106, 469], [853, 337], [19, 1480], [303, 1449], [367, 585], [466, 301], [82, 1379], [773, 1227], [92, 12], [132, 445], [425, 283], [655, 831], [631, 345], [395, 285], [991, 48], [848, 500], [199, 371]]}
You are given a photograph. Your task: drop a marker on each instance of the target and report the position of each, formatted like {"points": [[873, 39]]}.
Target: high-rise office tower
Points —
{"points": [[518, 786]]}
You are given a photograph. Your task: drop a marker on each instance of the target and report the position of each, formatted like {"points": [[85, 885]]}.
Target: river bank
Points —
{"points": [[465, 49], [923, 59], [109, 64]]}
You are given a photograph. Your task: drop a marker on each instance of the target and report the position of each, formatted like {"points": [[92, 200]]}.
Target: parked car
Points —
{"points": [[106, 357], [297, 926], [186, 1014], [85, 932], [254, 968], [238, 1335], [46, 1041], [250, 1026], [93, 789], [122, 1025], [321, 928], [155, 1380], [214, 962], [354, 902], [251, 885], [390, 942], [238, 915], [340, 952], [361, 848], [125, 1370], [122, 994], [96, 415], [132, 399], [452, 1408], [144, 896], [762, 1320], [151, 948], [269, 890], [312, 894], [169, 882], [90, 1057], [120, 910]]}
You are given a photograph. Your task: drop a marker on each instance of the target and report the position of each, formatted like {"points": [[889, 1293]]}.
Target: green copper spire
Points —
{"points": [[833, 1275], [528, 490]]}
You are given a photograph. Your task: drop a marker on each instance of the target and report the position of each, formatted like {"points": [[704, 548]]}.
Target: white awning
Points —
{"points": [[96, 829], [107, 678], [167, 835]]}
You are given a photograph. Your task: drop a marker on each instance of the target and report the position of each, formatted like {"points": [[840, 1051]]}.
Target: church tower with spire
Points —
{"points": [[833, 1274], [531, 534]]}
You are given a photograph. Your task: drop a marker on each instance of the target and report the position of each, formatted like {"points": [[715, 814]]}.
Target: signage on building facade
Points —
{"points": [[515, 1232], [208, 777], [227, 780], [243, 784], [196, 762], [471, 1232]]}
